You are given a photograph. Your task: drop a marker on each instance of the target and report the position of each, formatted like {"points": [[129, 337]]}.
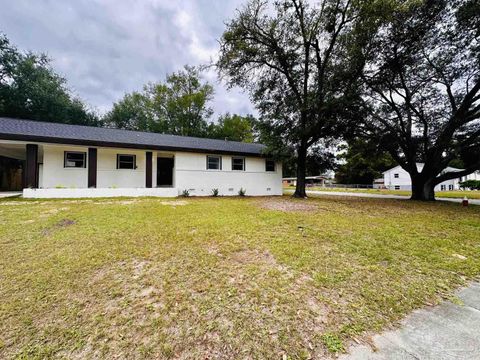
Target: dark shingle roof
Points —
{"points": [[27, 130]]}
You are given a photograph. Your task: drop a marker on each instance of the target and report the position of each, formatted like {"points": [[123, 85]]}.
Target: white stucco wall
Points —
{"points": [[55, 175], [192, 175], [189, 173], [109, 176]]}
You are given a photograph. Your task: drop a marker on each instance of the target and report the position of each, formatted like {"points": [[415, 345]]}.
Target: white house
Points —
{"points": [[68, 161], [399, 179]]}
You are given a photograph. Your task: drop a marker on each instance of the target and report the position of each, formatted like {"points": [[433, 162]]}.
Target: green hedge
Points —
{"points": [[470, 184]]}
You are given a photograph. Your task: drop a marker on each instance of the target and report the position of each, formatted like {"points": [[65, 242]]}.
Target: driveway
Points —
{"points": [[378, 196], [447, 331]]}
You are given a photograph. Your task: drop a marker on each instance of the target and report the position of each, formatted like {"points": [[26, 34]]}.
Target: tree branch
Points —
{"points": [[457, 174]]}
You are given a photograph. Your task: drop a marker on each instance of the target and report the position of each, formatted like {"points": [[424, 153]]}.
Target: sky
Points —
{"points": [[105, 48]]}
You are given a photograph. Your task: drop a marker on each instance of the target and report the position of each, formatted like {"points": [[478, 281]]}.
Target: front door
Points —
{"points": [[164, 171]]}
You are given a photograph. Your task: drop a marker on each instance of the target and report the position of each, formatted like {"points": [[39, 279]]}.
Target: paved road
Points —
{"points": [[444, 332], [379, 196]]}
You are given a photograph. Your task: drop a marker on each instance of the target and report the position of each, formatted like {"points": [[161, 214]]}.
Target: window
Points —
{"points": [[395, 176], [238, 163], [269, 165], [450, 187], [75, 159], [442, 187], [397, 187], [214, 162], [126, 161]]}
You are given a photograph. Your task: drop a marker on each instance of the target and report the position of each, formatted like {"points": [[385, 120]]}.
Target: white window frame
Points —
{"points": [[219, 162], [443, 187], [396, 175], [238, 158], [134, 163], [397, 187], [65, 154]]}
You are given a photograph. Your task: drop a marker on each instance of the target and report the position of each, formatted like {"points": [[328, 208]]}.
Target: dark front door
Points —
{"points": [[164, 171]]}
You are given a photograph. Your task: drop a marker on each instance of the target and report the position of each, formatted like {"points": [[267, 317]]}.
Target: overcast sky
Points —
{"points": [[108, 47]]}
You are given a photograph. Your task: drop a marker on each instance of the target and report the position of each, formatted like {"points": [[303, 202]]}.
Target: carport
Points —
{"points": [[19, 166]]}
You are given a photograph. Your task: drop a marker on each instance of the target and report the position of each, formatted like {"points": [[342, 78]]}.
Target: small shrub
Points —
{"points": [[215, 192], [185, 193], [470, 184], [242, 192]]}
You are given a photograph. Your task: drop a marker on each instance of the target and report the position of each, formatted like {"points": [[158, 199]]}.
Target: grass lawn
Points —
{"points": [[438, 194], [222, 277]]}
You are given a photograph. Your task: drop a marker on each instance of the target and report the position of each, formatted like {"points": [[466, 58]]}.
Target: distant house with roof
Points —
{"points": [[399, 179], [60, 160], [318, 180]]}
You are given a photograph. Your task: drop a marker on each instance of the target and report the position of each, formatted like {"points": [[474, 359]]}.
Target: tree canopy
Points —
{"points": [[422, 89], [295, 61], [233, 127], [178, 106], [30, 89], [363, 161]]}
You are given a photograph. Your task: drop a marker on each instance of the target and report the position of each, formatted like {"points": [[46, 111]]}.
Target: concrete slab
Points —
{"points": [[444, 332], [7, 194], [471, 297]]}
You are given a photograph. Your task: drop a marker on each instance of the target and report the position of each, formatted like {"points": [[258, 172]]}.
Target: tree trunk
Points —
{"points": [[423, 189], [301, 171]]}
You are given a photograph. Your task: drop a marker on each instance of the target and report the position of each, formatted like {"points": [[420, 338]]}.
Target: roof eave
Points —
{"points": [[82, 142]]}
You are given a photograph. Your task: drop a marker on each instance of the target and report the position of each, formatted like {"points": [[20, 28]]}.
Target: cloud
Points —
{"points": [[110, 47]]}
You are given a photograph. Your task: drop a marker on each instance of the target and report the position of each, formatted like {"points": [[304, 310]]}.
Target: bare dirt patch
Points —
{"points": [[123, 296], [287, 205], [17, 203], [257, 275], [54, 211], [254, 256], [115, 202], [64, 223], [174, 203]]}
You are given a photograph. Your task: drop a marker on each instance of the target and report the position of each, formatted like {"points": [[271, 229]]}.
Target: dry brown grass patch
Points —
{"points": [[287, 205]]}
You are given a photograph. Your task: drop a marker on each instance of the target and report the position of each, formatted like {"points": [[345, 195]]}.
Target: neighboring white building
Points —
{"points": [[67, 161], [399, 179]]}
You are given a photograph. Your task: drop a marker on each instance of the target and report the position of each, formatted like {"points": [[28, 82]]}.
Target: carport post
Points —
{"points": [[31, 168], [148, 169], [92, 168]]}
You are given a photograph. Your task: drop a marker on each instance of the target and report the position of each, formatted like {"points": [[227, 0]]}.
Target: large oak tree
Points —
{"points": [[422, 82], [294, 59]]}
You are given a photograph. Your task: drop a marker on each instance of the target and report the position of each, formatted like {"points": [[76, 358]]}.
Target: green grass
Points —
{"points": [[438, 194], [222, 277]]}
